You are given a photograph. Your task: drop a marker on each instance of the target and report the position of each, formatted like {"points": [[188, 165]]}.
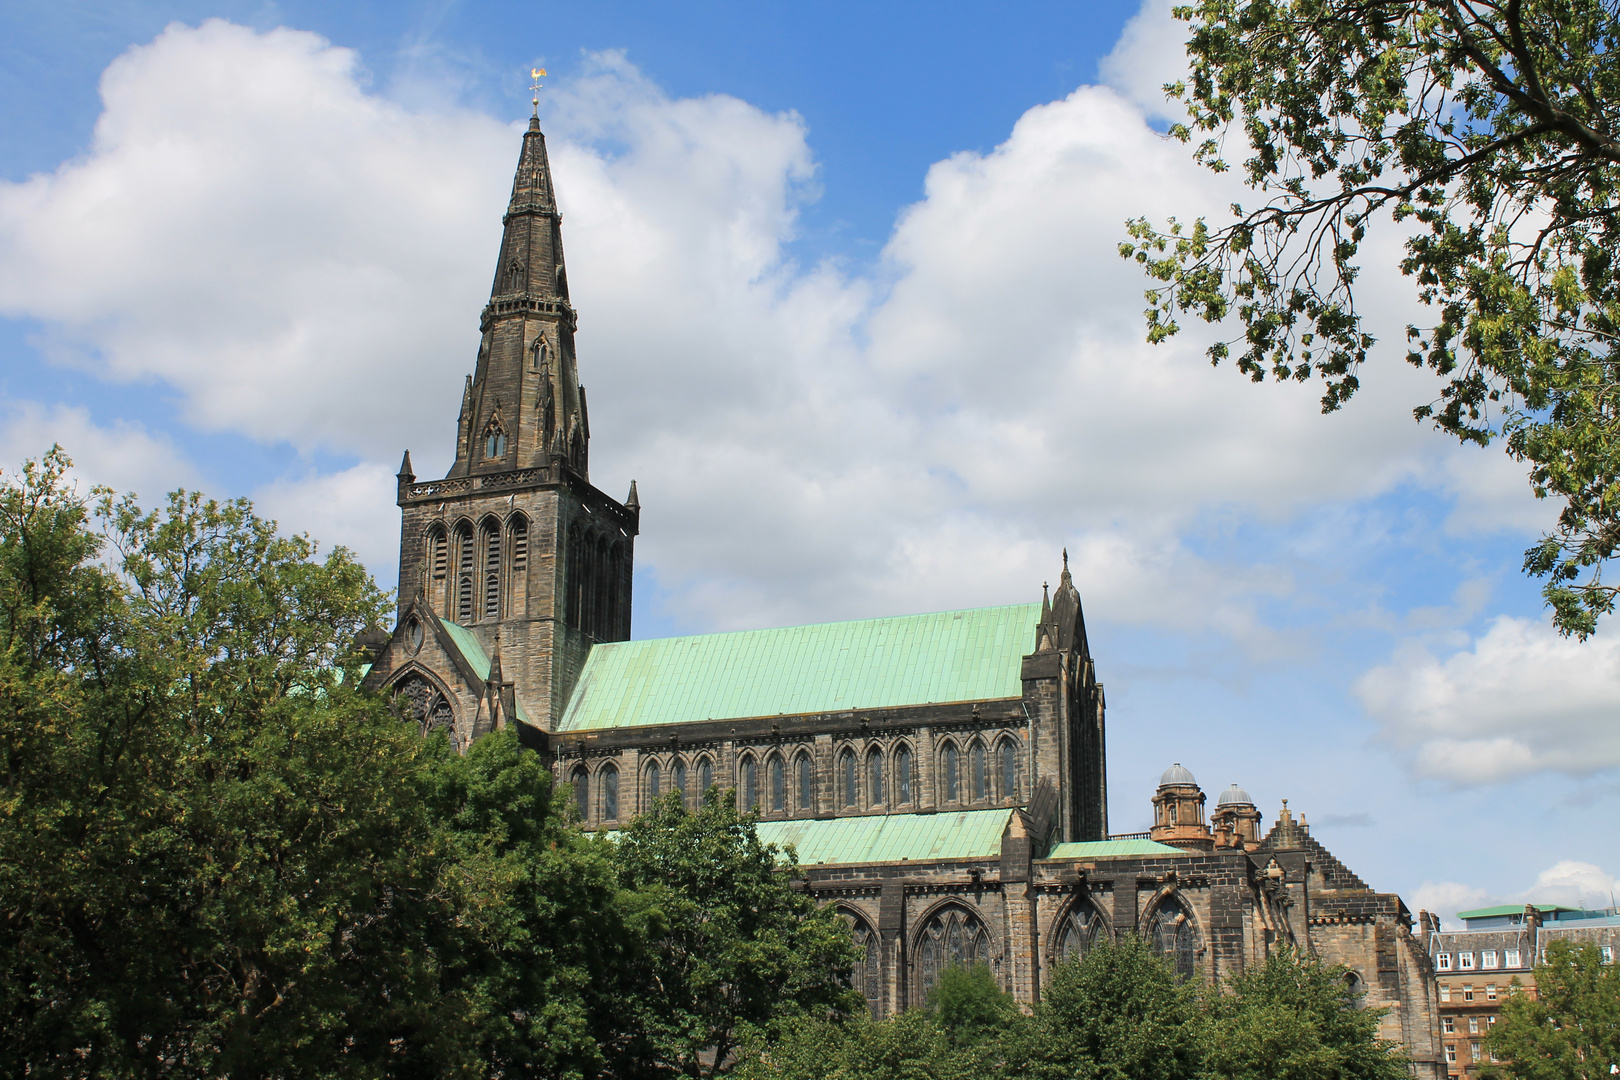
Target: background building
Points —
{"points": [[1476, 967]]}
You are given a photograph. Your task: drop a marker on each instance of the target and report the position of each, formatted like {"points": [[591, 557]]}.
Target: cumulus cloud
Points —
{"points": [[1568, 882], [304, 260], [1520, 699], [122, 455]]}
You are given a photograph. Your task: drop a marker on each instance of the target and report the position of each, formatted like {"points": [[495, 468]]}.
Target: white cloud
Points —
{"points": [[1568, 882], [354, 508], [122, 455], [1151, 52], [1520, 699], [304, 260]]}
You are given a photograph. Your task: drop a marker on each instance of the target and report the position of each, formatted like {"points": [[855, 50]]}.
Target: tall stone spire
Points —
{"points": [[523, 407]]}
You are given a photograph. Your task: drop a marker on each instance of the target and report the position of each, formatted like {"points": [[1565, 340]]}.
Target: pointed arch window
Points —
{"points": [[492, 570], [1172, 936], [951, 768], [1009, 770], [464, 573], [750, 784], [542, 354], [654, 782], [1075, 937], [952, 937], [520, 544], [494, 441], [705, 775], [902, 775], [610, 792], [778, 786], [438, 557], [867, 975], [582, 793], [874, 776], [846, 765], [807, 784], [981, 776], [678, 771]]}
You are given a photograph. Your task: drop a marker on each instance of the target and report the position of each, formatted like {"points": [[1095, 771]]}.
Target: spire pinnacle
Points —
{"points": [[633, 502], [537, 74]]}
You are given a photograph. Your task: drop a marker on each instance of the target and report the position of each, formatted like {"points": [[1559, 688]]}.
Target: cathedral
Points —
{"points": [[942, 777]]}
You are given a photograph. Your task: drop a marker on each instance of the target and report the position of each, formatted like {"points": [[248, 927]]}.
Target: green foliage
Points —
{"points": [[1488, 131], [910, 1046], [1117, 1013], [1570, 1029], [1294, 1018], [737, 948], [971, 1006]]}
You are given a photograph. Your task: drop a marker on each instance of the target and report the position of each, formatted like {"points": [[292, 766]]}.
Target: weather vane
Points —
{"points": [[537, 74]]}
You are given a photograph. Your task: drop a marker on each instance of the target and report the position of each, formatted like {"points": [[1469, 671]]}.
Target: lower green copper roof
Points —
{"points": [[958, 834], [1111, 849], [466, 642], [968, 655]]}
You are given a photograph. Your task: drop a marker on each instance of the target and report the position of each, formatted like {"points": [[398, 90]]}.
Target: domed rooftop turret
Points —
{"points": [[1175, 774], [1234, 795]]}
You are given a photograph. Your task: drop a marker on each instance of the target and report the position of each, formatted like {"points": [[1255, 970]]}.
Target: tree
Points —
{"points": [[1570, 1029], [1294, 1018], [971, 1007], [909, 1046], [1487, 129], [737, 948], [1116, 1013]]}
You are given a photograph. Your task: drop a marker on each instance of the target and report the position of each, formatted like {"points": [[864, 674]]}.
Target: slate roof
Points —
{"points": [[959, 834], [1111, 849], [949, 656]]}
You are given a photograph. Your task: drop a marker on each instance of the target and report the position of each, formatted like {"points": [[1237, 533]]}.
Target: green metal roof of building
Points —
{"points": [[949, 656], [1509, 909], [1110, 849], [467, 644], [958, 834]]}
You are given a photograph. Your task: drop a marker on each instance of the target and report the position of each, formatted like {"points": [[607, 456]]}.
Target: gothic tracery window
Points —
{"points": [[494, 441], [981, 779], [846, 766], [610, 792], [464, 573], [1079, 929], [750, 784], [492, 569], [1009, 770], [868, 973], [902, 775], [1172, 936], [654, 780], [950, 938], [807, 784], [950, 766], [778, 786], [678, 778], [582, 793], [874, 776], [705, 774], [422, 704]]}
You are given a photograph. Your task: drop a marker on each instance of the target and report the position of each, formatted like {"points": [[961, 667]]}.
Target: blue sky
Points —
{"points": [[852, 318]]}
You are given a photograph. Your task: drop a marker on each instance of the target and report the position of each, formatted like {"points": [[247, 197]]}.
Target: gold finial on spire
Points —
{"points": [[537, 74]]}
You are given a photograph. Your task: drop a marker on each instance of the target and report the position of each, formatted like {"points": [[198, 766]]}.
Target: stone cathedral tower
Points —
{"points": [[513, 565]]}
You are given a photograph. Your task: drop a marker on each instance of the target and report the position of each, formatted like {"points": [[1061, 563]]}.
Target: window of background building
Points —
{"points": [[1473, 1025], [1608, 953], [1445, 993], [1473, 1051], [1451, 1053], [1487, 958], [1490, 991], [1465, 960], [1450, 1025], [1468, 992], [1443, 961], [1512, 958]]}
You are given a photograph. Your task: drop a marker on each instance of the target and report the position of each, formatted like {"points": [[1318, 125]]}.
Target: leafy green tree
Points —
{"points": [[1570, 1029], [971, 1007], [737, 947], [1488, 132], [1117, 1013], [1294, 1018]]}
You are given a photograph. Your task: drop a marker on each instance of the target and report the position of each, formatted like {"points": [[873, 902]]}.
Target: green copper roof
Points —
{"points": [[466, 642], [1509, 909], [831, 667], [959, 834], [1111, 849]]}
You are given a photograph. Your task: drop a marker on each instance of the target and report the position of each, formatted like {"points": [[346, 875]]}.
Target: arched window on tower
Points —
{"points": [[542, 354], [599, 620], [846, 766], [610, 792], [807, 783], [981, 774], [465, 560], [874, 776], [492, 569], [902, 775], [778, 785], [438, 565], [519, 540], [950, 767], [494, 441]]}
